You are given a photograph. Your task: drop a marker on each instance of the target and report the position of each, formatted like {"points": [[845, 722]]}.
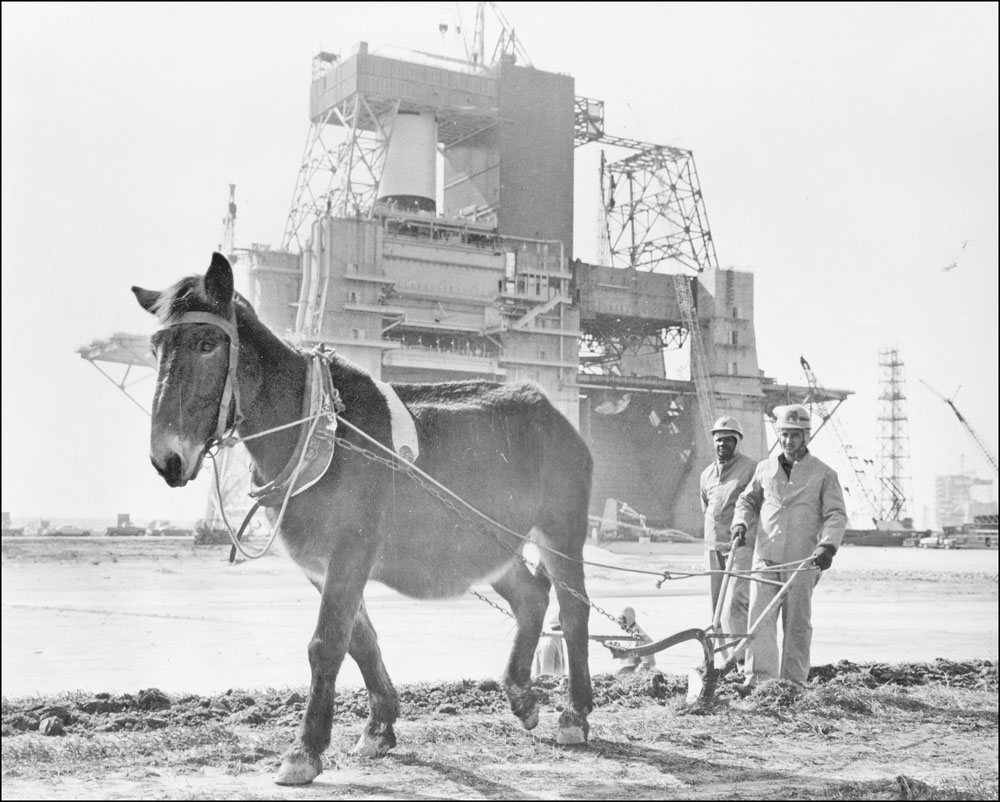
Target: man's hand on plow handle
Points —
{"points": [[823, 556], [739, 536]]}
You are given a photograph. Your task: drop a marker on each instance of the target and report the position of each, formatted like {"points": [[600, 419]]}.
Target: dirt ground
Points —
{"points": [[172, 675]]}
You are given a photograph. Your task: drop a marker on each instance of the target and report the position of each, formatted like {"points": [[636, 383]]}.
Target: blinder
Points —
{"points": [[231, 390]]}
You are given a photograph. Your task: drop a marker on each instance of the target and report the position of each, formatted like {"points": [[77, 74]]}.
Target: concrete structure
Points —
{"points": [[475, 277]]}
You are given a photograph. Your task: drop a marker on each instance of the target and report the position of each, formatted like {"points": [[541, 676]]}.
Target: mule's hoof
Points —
{"points": [[298, 768], [374, 745], [523, 704], [573, 729]]}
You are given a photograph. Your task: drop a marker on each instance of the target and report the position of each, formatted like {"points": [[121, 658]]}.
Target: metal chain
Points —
{"points": [[573, 592], [492, 603], [404, 467]]}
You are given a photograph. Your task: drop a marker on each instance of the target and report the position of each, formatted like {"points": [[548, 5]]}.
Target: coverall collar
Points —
{"points": [[784, 463]]}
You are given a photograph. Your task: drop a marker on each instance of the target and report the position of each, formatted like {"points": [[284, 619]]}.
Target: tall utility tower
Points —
{"points": [[893, 463]]}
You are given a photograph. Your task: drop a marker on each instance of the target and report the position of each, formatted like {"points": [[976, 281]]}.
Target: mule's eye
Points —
{"points": [[206, 346]]}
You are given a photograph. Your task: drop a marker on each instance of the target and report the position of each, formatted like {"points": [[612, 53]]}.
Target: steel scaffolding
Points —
{"points": [[893, 462]]}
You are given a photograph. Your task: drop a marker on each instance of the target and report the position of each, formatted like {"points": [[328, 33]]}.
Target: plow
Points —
{"points": [[721, 651]]}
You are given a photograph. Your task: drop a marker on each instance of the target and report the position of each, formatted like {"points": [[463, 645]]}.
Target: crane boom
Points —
{"points": [[507, 45], [826, 414], [986, 452]]}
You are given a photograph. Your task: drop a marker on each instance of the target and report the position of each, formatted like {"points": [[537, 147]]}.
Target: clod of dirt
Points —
{"points": [[152, 699], [51, 725], [56, 711], [912, 788], [19, 723], [103, 703], [248, 716]]}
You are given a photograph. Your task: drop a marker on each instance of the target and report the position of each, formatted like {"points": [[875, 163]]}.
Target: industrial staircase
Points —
{"points": [[699, 361]]}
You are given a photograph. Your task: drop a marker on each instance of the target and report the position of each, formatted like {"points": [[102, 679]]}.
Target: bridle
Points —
{"points": [[231, 390], [313, 451]]}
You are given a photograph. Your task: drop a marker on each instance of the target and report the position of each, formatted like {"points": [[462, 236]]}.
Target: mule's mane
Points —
{"points": [[189, 295]]}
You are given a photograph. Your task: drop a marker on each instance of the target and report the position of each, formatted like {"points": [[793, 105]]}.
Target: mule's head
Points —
{"points": [[196, 397]]}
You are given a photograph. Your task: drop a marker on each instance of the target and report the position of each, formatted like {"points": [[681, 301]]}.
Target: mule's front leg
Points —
{"points": [[342, 590]]}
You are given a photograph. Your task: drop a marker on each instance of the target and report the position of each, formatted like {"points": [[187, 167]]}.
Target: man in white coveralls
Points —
{"points": [[800, 506]]}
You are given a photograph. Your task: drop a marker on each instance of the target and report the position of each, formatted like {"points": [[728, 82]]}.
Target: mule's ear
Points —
{"points": [[146, 298], [219, 280]]}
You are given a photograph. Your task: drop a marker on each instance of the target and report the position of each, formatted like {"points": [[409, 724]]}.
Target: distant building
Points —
{"points": [[960, 498]]}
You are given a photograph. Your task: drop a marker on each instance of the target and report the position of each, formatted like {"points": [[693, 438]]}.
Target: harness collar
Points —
{"points": [[313, 451]]}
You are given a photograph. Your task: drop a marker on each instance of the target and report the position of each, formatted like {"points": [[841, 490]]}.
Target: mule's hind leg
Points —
{"points": [[574, 613], [379, 736], [528, 597]]}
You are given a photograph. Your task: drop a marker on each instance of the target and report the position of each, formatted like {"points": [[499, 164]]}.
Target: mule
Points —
{"points": [[502, 448]]}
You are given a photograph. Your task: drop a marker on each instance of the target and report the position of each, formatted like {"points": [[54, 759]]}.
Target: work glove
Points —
{"points": [[739, 535], [823, 556]]}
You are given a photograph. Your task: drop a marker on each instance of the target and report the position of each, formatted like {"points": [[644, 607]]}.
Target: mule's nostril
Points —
{"points": [[172, 469]]}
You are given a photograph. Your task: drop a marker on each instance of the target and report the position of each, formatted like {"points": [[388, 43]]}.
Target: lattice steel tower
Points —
{"points": [[893, 465]]}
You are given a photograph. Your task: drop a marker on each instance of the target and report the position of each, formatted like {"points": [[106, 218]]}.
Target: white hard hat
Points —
{"points": [[794, 416], [728, 424]]}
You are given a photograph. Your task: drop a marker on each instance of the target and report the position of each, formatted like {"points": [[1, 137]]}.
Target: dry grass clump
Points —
{"points": [[838, 701], [910, 788], [773, 697]]}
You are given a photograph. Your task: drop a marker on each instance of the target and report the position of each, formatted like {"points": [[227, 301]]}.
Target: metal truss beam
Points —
{"points": [[340, 177], [607, 345], [651, 200], [655, 211]]}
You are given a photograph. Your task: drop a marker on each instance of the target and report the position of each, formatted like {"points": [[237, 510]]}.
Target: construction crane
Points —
{"points": [[817, 401], [229, 227], [990, 457], [699, 360], [508, 46], [603, 255]]}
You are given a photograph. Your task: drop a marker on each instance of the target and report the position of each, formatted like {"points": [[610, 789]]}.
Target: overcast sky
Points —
{"points": [[846, 152]]}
